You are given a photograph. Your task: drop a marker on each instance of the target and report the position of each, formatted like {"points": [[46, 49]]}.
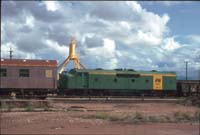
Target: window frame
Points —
{"points": [[3, 73], [49, 73], [24, 72]]}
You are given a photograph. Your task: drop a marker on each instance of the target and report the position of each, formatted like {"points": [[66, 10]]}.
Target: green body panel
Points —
{"points": [[141, 83], [113, 82], [63, 81], [121, 81], [72, 83], [81, 81], [169, 83]]}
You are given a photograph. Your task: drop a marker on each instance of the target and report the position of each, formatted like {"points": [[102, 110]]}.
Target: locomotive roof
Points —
{"points": [[122, 71], [28, 62]]}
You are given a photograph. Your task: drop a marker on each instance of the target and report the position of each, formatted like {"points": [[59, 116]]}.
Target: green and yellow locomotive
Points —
{"points": [[116, 82]]}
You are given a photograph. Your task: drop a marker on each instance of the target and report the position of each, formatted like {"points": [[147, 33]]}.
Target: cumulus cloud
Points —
{"points": [[93, 41], [171, 3], [194, 38], [103, 56], [109, 34], [30, 21], [170, 44], [5, 48], [63, 50], [52, 5], [167, 3]]}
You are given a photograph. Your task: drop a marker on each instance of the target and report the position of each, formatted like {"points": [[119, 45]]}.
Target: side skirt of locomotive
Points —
{"points": [[105, 92]]}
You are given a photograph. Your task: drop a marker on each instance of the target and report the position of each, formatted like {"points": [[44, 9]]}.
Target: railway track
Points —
{"points": [[94, 99], [113, 100]]}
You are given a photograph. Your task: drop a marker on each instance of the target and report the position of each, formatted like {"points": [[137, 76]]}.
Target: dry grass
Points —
{"points": [[138, 117], [25, 106]]}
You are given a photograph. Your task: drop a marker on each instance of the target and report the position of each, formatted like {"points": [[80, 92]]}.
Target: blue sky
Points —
{"points": [[184, 16], [124, 34]]}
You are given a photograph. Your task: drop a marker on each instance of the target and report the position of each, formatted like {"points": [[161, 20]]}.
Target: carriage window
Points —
{"points": [[24, 72], [48, 73], [3, 72]]}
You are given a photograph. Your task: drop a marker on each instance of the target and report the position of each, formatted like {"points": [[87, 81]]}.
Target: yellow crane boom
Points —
{"points": [[72, 57]]}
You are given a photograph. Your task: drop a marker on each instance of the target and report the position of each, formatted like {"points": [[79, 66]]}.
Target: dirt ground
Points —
{"points": [[72, 118]]}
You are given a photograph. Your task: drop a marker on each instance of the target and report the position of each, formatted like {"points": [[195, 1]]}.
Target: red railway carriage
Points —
{"points": [[24, 76]]}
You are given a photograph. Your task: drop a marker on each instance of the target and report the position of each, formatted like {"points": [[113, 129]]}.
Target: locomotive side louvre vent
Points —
{"points": [[133, 80], [118, 69], [96, 79], [128, 75], [115, 80], [131, 70], [99, 68]]}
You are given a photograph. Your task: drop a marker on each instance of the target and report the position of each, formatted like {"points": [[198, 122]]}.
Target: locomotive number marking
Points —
{"points": [[157, 82]]}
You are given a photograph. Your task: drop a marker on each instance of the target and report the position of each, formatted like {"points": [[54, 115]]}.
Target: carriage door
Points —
{"points": [[157, 82]]}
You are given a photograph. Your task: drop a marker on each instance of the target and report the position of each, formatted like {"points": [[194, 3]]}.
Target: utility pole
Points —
{"points": [[11, 51], [186, 68]]}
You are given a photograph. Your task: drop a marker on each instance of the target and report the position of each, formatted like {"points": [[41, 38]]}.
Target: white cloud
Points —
{"points": [[150, 27], [148, 38], [194, 38], [125, 25], [109, 34], [171, 3], [60, 49], [52, 5], [5, 48], [30, 21], [109, 45], [104, 54], [170, 44], [135, 6], [2, 32]]}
